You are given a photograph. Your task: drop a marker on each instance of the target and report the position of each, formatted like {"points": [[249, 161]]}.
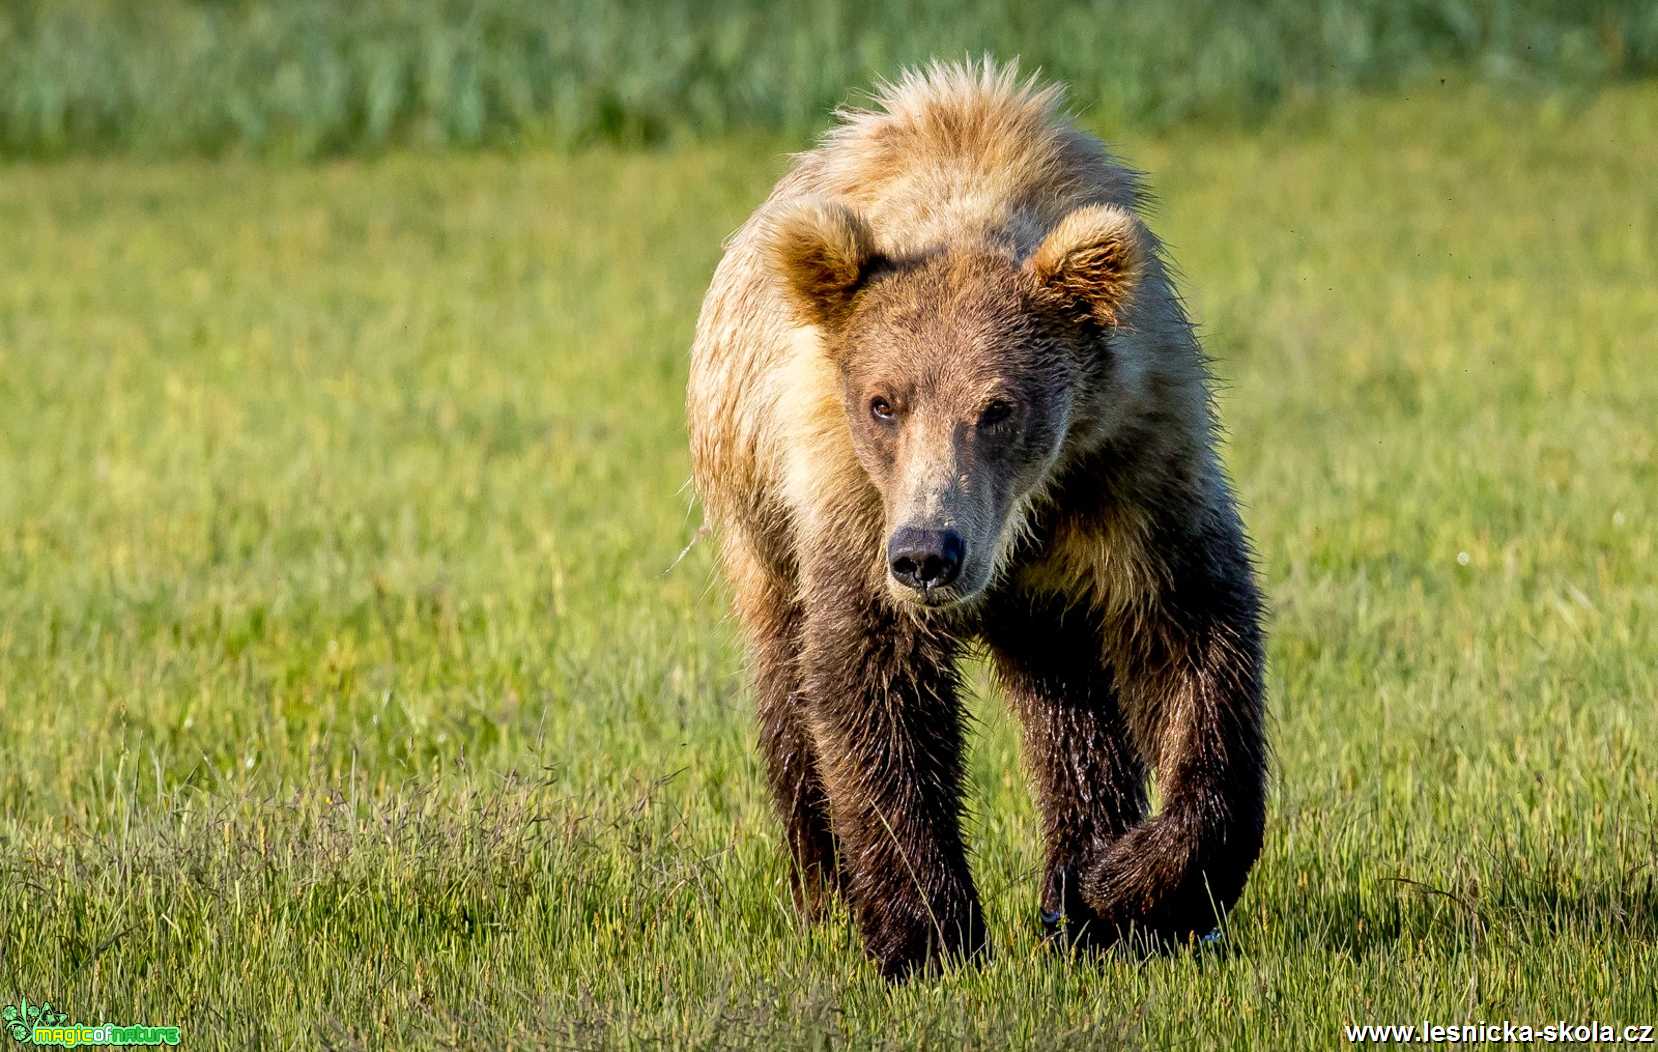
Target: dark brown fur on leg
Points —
{"points": [[1088, 779], [1192, 680], [881, 695], [773, 623], [797, 787]]}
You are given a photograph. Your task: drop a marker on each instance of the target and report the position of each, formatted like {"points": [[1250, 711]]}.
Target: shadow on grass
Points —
{"points": [[1378, 915]]}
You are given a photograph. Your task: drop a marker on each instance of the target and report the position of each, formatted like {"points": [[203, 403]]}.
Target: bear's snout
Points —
{"points": [[925, 559]]}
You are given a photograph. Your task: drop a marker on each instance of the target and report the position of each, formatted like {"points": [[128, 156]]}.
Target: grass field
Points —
{"points": [[347, 696]]}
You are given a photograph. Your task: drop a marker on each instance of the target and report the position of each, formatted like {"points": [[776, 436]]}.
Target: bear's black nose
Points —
{"points": [[924, 559]]}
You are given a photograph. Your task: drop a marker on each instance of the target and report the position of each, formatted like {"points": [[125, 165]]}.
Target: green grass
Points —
{"points": [[348, 696], [322, 77]]}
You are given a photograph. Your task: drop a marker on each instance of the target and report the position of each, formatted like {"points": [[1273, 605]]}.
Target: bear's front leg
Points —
{"points": [[880, 696], [1190, 676], [1086, 774]]}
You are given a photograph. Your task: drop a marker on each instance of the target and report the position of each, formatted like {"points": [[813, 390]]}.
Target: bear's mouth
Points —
{"points": [[940, 598]]}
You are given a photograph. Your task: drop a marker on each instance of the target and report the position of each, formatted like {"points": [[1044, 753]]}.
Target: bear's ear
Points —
{"points": [[824, 253], [1090, 263]]}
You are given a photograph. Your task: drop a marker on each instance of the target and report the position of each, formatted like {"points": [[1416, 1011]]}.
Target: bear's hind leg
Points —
{"points": [[1085, 772], [797, 791], [771, 618]]}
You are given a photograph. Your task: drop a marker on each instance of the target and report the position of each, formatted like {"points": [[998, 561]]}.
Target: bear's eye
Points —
{"points": [[881, 409], [995, 413]]}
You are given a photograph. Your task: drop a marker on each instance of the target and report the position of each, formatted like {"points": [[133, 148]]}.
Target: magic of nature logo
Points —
{"points": [[41, 1024]]}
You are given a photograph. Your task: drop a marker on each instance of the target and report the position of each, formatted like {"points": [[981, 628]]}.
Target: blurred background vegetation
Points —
{"points": [[321, 77]]}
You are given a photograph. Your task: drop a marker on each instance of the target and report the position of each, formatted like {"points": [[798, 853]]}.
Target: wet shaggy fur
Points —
{"points": [[951, 313]]}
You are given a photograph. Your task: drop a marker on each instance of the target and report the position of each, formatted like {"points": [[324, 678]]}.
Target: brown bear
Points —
{"points": [[944, 393]]}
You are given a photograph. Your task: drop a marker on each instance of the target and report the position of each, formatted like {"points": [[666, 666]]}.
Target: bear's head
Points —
{"points": [[965, 373]]}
